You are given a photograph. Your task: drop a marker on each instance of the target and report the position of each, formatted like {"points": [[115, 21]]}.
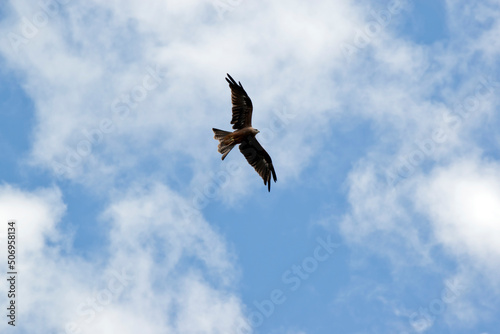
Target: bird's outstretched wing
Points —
{"points": [[242, 105], [259, 159]]}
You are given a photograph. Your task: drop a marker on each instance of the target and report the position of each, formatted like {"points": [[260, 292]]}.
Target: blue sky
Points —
{"points": [[382, 121]]}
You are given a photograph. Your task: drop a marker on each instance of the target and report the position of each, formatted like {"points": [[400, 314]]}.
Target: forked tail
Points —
{"points": [[223, 148]]}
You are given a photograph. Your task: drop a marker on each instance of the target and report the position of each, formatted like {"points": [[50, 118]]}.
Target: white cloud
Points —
{"points": [[463, 202], [163, 260], [409, 99], [449, 199], [86, 57], [36, 213]]}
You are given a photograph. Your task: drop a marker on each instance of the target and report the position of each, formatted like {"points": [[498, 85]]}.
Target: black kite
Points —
{"points": [[244, 135]]}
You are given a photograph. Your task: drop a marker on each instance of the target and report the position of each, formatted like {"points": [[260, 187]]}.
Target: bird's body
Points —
{"points": [[238, 136], [244, 134]]}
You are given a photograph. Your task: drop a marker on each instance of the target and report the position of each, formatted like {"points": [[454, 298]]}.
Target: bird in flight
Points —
{"points": [[244, 134]]}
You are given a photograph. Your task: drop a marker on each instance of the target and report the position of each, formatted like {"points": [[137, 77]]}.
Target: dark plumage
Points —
{"points": [[244, 134]]}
